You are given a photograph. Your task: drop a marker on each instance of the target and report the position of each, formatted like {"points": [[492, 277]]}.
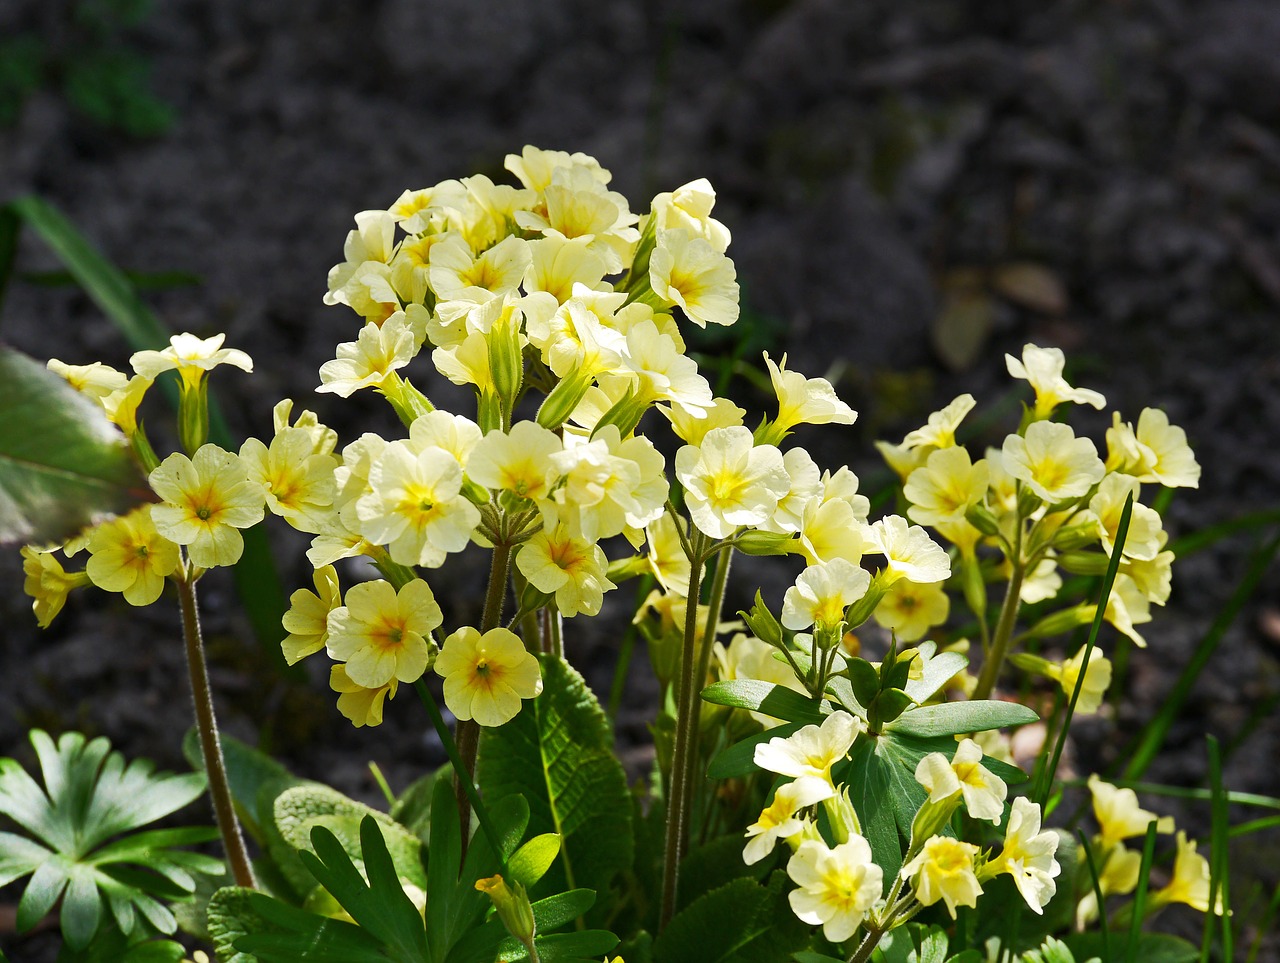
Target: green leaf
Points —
{"points": [[63, 466], [741, 922], [299, 810], [278, 933], [558, 755], [739, 759], [81, 908], [935, 671], [532, 860], [1151, 948], [773, 700], [953, 718]]}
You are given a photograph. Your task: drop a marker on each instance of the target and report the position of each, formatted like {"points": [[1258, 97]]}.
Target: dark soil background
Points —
{"points": [[913, 189]]}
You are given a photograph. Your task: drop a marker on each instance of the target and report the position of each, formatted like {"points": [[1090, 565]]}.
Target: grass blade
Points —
{"points": [[1153, 734], [1108, 580], [1094, 878], [1264, 925], [1219, 858], [1140, 896]]}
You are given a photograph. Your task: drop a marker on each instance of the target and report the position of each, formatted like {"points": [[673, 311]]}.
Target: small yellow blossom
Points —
{"points": [[1190, 882], [128, 555], [946, 487], [207, 499], [812, 750], [382, 634], [48, 583], [1028, 856], [780, 820], [96, 380], [801, 400], [298, 482], [192, 357], [940, 429], [821, 594], [910, 609], [730, 482], [1142, 540], [307, 620], [371, 360], [121, 406], [1042, 367], [909, 552], [363, 706], [836, 887], [686, 270], [1055, 463], [982, 790], [1096, 679], [518, 461], [572, 568], [487, 676], [1168, 458], [691, 429], [689, 207], [1119, 815], [944, 870]]}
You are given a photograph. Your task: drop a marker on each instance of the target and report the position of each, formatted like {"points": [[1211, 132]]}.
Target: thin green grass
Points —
{"points": [[1219, 861], [1095, 880], [1140, 895]]}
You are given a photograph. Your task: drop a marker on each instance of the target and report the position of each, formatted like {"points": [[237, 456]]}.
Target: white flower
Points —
{"points": [[801, 400], [909, 551], [822, 593], [779, 819], [1028, 855], [688, 271], [982, 790], [368, 361]]}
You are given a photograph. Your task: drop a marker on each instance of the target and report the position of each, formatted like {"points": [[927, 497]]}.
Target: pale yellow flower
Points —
{"points": [[559, 263], [982, 790], [689, 207], [96, 380], [938, 432], [518, 461], [1170, 460], [801, 400], [686, 270], [1056, 464], [370, 360], [362, 706], [1042, 367], [1107, 505], [821, 594], [192, 357], [1028, 856], [572, 568], [691, 429], [944, 870], [746, 657], [1190, 882], [911, 609], [382, 634], [298, 482], [207, 499], [1127, 608], [127, 555], [455, 271], [1119, 815], [487, 676], [535, 167], [780, 820], [812, 750], [730, 481], [667, 560], [836, 887], [946, 487], [1096, 679], [307, 620], [908, 550], [47, 583], [122, 406]]}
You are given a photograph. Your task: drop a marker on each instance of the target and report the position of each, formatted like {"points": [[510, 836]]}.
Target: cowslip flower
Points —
{"points": [[982, 790], [518, 461], [415, 505], [298, 482], [946, 487], [361, 705], [730, 481], [944, 870], [822, 593], [686, 270], [1167, 458], [689, 207], [1142, 541], [1027, 856], [1190, 881], [573, 569], [830, 529], [801, 400], [811, 750], [370, 360], [1097, 677], [48, 584], [487, 676], [1117, 875], [909, 552], [307, 620], [208, 498], [127, 555], [382, 634], [1055, 463], [192, 357], [836, 887], [910, 609], [692, 429], [939, 431], [780, 820], [1127, 608], [1119, 815], [96, 380], [1042, 367]]}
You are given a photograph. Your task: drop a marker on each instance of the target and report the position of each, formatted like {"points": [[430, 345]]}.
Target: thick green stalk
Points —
{"points": [[678, 805], [210, 748]]}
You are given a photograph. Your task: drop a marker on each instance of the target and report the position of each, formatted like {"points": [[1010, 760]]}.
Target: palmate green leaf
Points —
{"points": [[90, 796], [953, 718], [63, 466], [741, 922], [558, 755]]}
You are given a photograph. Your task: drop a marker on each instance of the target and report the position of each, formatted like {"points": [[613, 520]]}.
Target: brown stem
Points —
{"points": [[210, 748]]}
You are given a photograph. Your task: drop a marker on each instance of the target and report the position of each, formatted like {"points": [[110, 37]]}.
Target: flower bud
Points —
{"points": [[762, 623], [563, 399], [755, 542], [844, 820], [193, 414], [506, 361], [512, 904]]}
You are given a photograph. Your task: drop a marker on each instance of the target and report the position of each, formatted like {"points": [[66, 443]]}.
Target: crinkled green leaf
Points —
{"points": [[63, 466], [558, 755], [741, 922]]}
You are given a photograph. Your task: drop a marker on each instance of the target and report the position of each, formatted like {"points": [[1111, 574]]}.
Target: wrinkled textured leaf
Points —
{"points": [[741, 922], [63, 466], [558, 754]]}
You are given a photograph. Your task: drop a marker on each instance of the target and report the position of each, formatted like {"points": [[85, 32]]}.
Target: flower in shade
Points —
{"points": [[208, 498]]}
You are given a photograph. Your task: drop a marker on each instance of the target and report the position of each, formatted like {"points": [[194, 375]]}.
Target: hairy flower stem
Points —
{"points": [[210, 748], [994, 660], [714, 606], [678, 803], [468, 731]]}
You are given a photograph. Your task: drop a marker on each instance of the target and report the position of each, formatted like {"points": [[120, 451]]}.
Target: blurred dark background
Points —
{"points": [[914, 188]]}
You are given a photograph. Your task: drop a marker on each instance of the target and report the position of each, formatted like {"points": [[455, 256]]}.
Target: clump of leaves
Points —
{"points": [[84, 849]]}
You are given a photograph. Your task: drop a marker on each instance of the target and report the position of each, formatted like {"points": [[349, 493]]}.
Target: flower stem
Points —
{"points": [[678, 795], [994, 661], [210, 748]]}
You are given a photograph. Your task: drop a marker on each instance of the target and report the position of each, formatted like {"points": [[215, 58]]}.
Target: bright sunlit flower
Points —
{"points": [[207, 499], [1096, 679], [298, 482], [362, 706], [944, 870], [1055, 463], [1028, 855], [686, 270], [801, 400], [1043, 368], [572, 569], [982, 790], [938, 432], [382, 634], [730, 481], [812, 750], [1190, 882], [48, 584], [1142, 541], [909, 552], [1167, 458], [192, 357], [518, 461], [822, 593], [127, 555], [946, 487], [96, 380], [780, 820], [371, 359], [836, 887], [487, 676]]}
